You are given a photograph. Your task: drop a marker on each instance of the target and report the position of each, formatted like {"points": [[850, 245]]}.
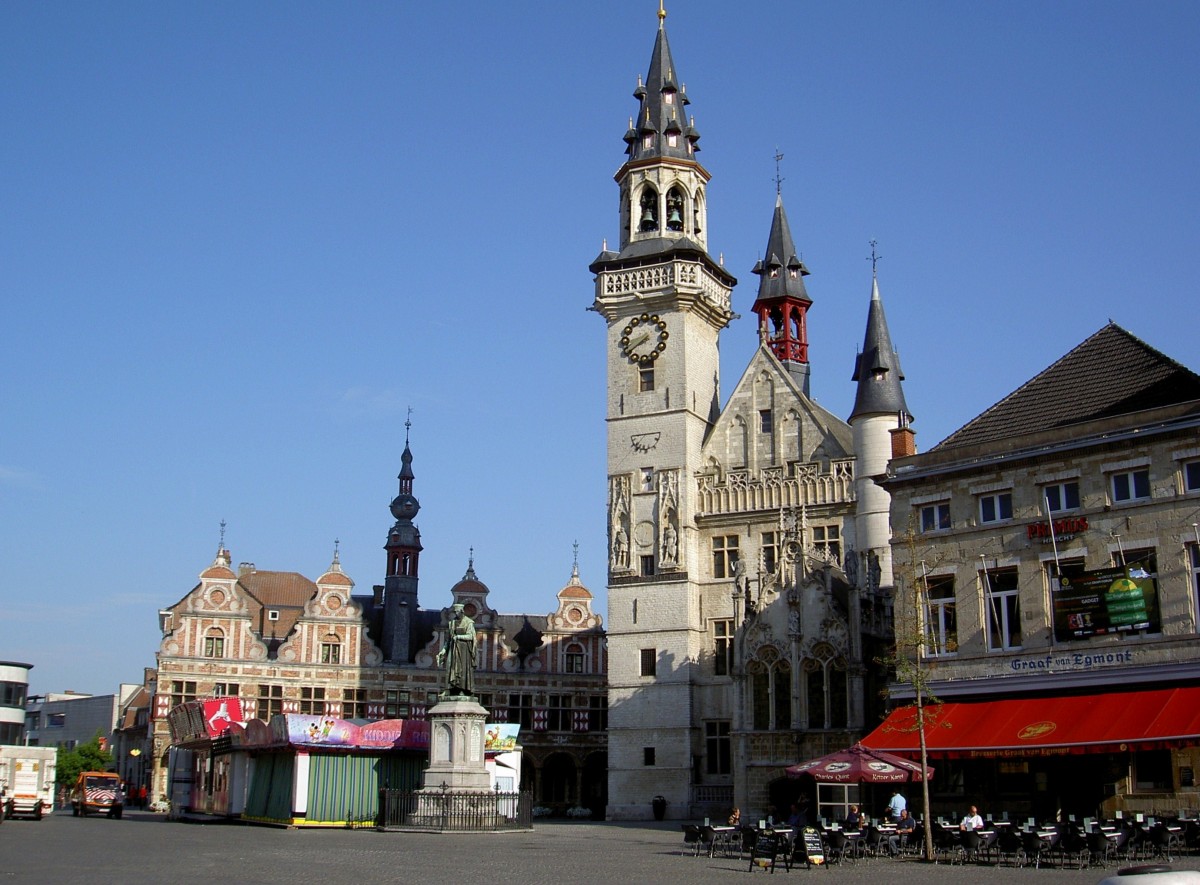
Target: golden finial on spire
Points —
{"points": [[662, 13]]}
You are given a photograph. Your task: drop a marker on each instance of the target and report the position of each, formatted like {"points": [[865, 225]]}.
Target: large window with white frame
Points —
{"points": [[1061, 496], [996, 507], [1002, 608], [1194, 561], [1191, 476], [940, 617], [934, 517], [1130, 485], [214, 643]]}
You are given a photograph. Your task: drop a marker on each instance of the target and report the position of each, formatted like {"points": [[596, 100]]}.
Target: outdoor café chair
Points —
{"points": [[691, 839]]}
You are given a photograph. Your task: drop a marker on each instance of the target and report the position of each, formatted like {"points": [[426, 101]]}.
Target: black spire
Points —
{"points": [[661, 128], [404, 505], [781, 274], [877, 369]]}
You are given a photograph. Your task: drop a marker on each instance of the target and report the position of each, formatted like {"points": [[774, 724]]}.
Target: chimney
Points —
{"points": [[245, 568], [378, 588], [904, 442]]}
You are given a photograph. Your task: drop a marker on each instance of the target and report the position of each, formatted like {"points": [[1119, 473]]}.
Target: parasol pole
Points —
{"points": [[923, 586]]}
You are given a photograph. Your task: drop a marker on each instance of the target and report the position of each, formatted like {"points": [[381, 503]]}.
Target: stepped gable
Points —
{"points": [[1111, 373]]}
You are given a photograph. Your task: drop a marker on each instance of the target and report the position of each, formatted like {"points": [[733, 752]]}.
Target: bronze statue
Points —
{"points": [[458, 654]]}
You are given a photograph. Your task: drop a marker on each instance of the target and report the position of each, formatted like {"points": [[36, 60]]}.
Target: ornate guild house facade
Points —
{"points": [[283, 643]]}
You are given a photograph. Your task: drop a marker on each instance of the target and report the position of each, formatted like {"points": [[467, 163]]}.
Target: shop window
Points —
{"points": [[1002, 608], [1132, 485], [995, 508], [722, 646], [725, 555], [935, 517], [941, 619], [1152, 771], [1061, 496], [717, 749]]}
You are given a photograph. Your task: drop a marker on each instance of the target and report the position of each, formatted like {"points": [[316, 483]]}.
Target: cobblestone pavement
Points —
{"points": [[147, 848]]}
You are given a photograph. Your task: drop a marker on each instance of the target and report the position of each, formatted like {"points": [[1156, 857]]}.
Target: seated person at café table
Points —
{"points": [[735, 818], [854, 820], [972, 821], [798, 816], [904, 829]]}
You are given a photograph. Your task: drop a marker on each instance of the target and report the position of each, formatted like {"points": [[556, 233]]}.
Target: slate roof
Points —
{"points": [[1111, 373], [781, 253], [877, 368]]}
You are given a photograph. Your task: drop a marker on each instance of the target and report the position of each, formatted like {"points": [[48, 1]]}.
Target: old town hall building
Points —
{"points": [[749, 564]]}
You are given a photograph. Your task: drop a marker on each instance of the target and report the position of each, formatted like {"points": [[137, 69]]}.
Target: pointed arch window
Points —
{"points": [[697, 208], [828, 698], [648, 210], [574, 658], [675, 209], [770, 691]]}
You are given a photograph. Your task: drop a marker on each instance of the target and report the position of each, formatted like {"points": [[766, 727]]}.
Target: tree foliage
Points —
{"points": [[89, 756]]}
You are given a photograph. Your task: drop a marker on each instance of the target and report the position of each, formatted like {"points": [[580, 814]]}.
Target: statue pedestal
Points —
{"points": [[455, 789]]}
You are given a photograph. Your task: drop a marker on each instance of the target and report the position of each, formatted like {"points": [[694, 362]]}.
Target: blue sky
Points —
{"points": [[238, 241]]}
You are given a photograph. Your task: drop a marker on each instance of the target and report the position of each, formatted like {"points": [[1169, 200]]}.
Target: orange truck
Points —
{"points": [[98, 791]]}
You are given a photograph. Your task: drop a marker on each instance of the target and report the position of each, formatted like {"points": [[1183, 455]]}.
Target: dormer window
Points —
{"points": [[272, 615], [647, 141], [774, 273], [793, 273], [672, 140], [668, 97]]}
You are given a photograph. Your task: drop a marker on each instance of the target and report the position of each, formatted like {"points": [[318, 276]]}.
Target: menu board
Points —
{"points": [[812, 846], [1113, 600]]}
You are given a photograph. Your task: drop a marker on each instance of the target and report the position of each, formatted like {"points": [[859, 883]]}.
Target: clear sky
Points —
{"points": [[239, 240]]}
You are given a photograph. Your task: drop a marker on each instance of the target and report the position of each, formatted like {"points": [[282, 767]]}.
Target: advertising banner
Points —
{"points": [[1113, 600]]}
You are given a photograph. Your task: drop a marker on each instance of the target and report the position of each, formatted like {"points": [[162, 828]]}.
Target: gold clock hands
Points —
{"points": [[645, 337]]}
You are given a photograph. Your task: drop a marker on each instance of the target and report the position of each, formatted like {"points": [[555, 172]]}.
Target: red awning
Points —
{"points": [[1095, 723]]}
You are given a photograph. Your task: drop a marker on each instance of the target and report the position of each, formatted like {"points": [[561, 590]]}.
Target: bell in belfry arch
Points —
{"points": [[647, 216], [675, 217]]}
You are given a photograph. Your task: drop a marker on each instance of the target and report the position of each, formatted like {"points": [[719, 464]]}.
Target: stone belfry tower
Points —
{"points": [[403, 554], [665, 301]]}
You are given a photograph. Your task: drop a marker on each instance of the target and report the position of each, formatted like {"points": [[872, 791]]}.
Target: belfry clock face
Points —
{"points": [[644, 339]]}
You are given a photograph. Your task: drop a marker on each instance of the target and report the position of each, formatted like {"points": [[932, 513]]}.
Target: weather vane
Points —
{"points": [[778, 177], [407, 424], [875, 256]]}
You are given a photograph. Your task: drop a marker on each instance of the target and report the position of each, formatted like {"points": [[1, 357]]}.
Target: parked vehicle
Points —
{"points": [[27, 780], [98, 791]]}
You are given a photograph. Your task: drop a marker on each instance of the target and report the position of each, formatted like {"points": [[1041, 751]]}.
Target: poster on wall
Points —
{"points": [[1106, 601]]}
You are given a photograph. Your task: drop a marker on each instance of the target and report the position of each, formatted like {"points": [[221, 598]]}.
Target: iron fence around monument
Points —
{"points": [[449, 811]]}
